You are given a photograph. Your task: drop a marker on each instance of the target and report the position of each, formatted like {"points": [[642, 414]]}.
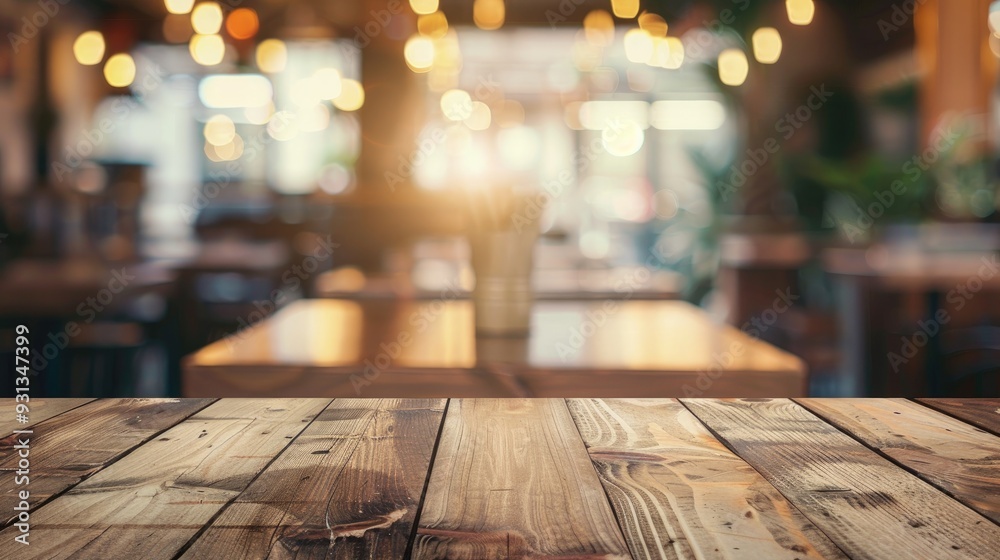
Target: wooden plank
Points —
{"points": [[984, 413], [960, 459], [74, 445], [867, 505], [348, 487], [679, 493], [160, 495], [39, 410], [512, 479]]}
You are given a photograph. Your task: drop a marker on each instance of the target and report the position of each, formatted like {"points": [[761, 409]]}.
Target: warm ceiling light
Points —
{"points": [[328, 83], [207, 50], [489, 14], [599, 28], [178, 6], [625, 9], [423, 7], [766, 45], [653, 24], [206, 18], [89, 48], [219, 130], [456, 104], [480, 117], [352, 96], [261, 114], [800, 12], [419, 53], [272, 55], [242, 23], [675, 58], [733, 67], [638, 45], [119, 70], [433, 25], [231, 91], [511, 114]]}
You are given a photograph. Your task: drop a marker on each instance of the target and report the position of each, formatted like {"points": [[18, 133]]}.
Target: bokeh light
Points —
{"points": [[206, 18], [119, 70], [272, 56], [242, 23], [89, 48]]}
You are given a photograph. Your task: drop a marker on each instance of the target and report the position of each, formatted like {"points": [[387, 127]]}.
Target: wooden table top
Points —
{"points": [[429, 349], [915, 269], [507, 478], [637, 283]]}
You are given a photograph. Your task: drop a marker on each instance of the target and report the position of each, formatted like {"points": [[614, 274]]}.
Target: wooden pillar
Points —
{"points": [[960, 69], [393, 114]]}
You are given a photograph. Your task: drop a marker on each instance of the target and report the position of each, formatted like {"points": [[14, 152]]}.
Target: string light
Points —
{"points": [[206, 18], [625, 9], [272, 56], [119, 70], [733, 67], [424, 7], [179, 6], [766, 45], [207, 50], [419, 53], [488, 14], [800, 12], [89, 48], [242, 23], [352, 96]]}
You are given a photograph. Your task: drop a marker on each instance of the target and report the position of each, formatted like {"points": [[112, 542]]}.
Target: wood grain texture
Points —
{"points": [[512, 479], [72, 446], [867, 505], [39, 410], [956, 457], [679, 493], [160, 495], [348, 487], [984, 413]]}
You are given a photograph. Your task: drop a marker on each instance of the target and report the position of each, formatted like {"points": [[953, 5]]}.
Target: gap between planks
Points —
{"points": [[194, 538], [85, 408]]}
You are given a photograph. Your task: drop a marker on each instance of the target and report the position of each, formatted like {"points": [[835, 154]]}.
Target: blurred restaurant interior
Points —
{"points": [[500, 197]]}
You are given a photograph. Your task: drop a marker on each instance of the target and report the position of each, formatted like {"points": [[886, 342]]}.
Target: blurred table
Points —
{"points": [[886, 291], [43, 288], [637, 283], [428, 348]]}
